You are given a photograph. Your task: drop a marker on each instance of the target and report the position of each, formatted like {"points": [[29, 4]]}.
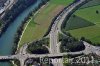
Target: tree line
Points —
{"points": [[70, 44], [21, 28], [38, 47]]}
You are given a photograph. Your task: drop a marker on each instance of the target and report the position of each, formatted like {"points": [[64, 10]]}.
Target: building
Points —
{"points": [[3, 4]]}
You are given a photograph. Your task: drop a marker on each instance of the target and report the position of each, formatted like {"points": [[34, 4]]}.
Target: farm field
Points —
{"points": [[91, 30], [91, 3], [76, 22], [40, 23], [90, 14], [92, 33]]}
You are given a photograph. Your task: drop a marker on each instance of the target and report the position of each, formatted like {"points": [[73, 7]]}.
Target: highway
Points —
{"points": [[56, 28], [22, 55], [91, 49], [54, 42]]}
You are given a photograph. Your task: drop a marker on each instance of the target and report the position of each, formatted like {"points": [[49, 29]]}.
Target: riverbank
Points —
{"points": [[21, 29], [7, 39], [28, 22], [11, 15]]}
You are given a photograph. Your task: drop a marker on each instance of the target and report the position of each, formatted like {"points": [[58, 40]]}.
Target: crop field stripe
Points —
{"points": [[91, 4], [90, 32], [76, 22], [89, 14]]}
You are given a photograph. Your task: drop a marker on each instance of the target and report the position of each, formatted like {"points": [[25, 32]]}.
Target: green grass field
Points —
{"points": [[91, 3], [76, 22], [40, 23], [90, 32], [90, 14]]}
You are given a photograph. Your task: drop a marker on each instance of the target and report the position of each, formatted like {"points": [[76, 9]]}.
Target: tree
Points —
{"points": [[97, 12], [83, 38], [71, 44], [38, 47]]}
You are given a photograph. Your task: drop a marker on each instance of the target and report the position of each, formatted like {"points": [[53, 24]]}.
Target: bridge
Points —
{"points": [[23, 57], [20, 56]]}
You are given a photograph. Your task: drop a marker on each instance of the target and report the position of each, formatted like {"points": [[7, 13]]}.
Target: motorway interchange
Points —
{"points": [[54, 49]]}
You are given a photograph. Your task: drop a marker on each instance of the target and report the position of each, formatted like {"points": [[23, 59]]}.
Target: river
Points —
{"points": [[7, 39]]}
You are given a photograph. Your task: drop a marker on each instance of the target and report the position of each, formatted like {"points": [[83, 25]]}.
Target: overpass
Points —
{"points": [[20, 56], [23, 57]]}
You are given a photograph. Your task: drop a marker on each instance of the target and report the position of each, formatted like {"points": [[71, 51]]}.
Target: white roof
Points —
{"points": [[1, 10]]}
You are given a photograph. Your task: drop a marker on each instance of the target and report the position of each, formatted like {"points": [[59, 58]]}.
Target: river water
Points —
{"points": [[7, 39]]}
